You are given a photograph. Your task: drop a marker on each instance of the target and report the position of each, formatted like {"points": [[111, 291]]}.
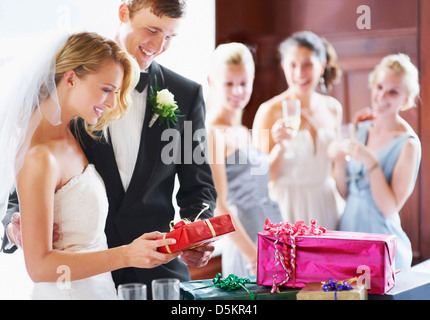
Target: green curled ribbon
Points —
{"points": [[231, 283]]}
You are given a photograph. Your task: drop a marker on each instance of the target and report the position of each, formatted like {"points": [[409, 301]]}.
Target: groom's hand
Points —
{"points": [[198, 257], [13, 230]]}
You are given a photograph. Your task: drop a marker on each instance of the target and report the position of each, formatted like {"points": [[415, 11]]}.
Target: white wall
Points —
{"points": [[190, 50], [188, 54], [22, 19]]}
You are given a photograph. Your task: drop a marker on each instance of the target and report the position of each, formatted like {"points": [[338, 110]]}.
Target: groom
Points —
{"points": [[138, 183]]}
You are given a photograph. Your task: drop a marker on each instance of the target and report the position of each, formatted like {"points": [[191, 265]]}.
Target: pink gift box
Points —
{"points": [[333, 254]]}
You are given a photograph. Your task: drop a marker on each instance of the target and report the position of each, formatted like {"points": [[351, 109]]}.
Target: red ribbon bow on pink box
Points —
{"points": [[287, 258]]}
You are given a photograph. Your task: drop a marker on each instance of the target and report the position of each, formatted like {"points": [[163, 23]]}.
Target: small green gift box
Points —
{"points": [[207, 290]]}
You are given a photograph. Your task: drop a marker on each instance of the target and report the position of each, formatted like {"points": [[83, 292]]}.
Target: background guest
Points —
{"points": [[241, 172], [385, 157], [301, 179]]}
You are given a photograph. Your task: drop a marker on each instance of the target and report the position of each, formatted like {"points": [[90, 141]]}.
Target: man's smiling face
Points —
{"points": [[145, 35]]}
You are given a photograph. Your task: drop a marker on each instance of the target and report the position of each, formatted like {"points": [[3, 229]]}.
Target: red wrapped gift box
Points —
{"points": [[293, 259], [192, 234]]}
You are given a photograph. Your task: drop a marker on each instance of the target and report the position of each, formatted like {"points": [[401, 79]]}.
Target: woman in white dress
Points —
{"points": [[82, 75], [301, 180]]}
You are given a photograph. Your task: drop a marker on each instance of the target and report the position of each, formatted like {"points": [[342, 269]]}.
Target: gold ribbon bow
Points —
{"points": [[187, 221]]}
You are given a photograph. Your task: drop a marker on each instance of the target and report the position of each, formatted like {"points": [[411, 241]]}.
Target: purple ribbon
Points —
{"points": [[333, 285]]}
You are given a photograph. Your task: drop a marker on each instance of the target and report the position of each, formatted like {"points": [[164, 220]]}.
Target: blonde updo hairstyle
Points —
{"points": [[87, 53], [401, 64], [227, 54], [233, 53]]}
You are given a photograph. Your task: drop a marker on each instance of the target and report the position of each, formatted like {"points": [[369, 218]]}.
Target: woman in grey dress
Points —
{"points": [[241, 172], [385, 158]]}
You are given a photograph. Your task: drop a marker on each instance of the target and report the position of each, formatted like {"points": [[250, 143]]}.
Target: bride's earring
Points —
{"points": [[322, 85]]}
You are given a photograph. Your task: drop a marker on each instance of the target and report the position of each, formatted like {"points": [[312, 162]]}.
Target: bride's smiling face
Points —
{"points": [[145, 35], [94, 93]]}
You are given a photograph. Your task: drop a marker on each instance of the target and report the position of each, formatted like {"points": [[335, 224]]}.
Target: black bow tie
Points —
{"points": [[143, 82]]}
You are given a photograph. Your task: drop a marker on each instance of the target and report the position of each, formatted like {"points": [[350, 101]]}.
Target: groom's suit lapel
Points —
{"points": [[149, 148], [104, 156]]}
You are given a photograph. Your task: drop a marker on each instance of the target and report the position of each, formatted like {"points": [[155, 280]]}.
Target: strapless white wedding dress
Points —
{"points": [[80, 211]]}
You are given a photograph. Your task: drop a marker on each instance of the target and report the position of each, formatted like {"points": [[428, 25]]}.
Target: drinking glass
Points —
{"points": [[347, 132], [132, 291], [291, 115], [165, 289]]}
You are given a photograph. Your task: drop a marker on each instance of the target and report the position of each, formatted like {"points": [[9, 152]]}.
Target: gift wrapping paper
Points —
{"points": [[332, 254], [314, 291], [202, 290], [193, 234]]}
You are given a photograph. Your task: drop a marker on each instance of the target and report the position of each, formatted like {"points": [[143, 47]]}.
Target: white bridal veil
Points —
{"points": [[25, 81]]}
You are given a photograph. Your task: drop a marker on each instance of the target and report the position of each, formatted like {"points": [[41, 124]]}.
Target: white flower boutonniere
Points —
{"points": [[163, 106]]}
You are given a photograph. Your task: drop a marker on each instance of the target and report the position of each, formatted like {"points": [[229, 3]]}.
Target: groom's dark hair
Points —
{"points": [[171, 8]]}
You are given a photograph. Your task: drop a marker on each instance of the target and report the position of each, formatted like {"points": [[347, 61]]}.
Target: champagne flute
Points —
{"points": [[132, 291], [165, 289], [347, 132], [291, 114]]}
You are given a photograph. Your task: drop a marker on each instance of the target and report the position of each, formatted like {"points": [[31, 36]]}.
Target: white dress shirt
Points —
{"points": [[125, 136]]}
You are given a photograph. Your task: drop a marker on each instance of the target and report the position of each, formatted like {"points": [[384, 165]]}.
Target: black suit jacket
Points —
{"points": [[147, 204], [12, 207]]}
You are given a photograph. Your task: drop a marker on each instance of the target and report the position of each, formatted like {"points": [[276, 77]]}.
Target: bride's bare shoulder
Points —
{"points": [[38, 164]]}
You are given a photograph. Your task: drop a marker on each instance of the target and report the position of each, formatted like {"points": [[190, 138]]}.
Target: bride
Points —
{"points": [[83, 75]]}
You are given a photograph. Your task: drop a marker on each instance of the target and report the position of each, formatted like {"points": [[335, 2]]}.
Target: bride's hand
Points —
{"points": [[142, 252]]}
